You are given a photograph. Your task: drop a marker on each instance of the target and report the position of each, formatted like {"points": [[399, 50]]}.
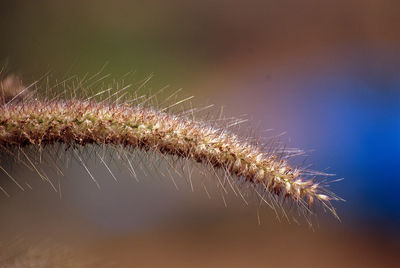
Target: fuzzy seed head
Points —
{"points": [[75, 122]]}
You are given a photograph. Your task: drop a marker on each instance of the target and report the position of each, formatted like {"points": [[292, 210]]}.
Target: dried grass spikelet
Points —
{"points": [[79, 121]]}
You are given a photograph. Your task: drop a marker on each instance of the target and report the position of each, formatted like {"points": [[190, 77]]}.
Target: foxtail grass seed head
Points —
{"points": [[115, 121]]}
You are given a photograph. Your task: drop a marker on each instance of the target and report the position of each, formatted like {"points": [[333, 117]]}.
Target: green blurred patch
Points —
{"points": [[80, 37]]}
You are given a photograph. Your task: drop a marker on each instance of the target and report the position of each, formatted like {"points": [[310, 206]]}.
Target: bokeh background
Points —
{"points": [[325, 72]]}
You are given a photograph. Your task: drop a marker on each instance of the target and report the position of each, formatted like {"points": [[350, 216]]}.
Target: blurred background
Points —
{"points": [[325, 72]]}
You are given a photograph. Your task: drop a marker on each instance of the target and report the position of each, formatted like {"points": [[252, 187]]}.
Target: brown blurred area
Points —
{"points": [[212, 49], [227, 243], [191, 40]]}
